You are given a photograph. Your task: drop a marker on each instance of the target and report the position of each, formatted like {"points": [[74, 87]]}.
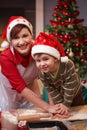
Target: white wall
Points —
{"points": [[83, 10], [39, 16], [49, 6]]}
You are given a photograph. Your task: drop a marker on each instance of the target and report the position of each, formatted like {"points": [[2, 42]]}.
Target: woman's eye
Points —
{"points": [[16, 37], [25, 35]]}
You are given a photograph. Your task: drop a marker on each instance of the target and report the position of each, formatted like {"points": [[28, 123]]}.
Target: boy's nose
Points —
{"points": [[42, 63]]}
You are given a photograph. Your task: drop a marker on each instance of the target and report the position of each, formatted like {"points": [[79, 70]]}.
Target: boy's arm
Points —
{"points": [[71, 85]]}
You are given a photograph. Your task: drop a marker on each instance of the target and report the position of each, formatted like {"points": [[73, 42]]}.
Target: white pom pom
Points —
{"points": [[4, 45], [64, 59]]}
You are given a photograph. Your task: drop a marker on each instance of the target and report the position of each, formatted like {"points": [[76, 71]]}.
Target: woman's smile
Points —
{"points": [[23, 47]]}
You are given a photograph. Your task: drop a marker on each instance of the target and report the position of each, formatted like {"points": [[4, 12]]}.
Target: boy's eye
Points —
{"points": [[45, 58], [37, 60]]}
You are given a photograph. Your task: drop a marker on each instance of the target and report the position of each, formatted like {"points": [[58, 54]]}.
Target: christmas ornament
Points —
{"points": [[70, 26], [71, 54]]}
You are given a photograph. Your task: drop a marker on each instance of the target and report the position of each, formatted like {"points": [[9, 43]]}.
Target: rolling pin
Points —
{"points": [[33, 117], [29, 118]]}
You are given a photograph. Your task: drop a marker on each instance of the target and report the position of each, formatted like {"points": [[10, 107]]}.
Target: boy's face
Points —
{"points": [[45, 63]]}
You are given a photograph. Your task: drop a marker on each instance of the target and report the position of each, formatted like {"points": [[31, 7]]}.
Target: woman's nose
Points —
{"points": [[21, 41]]}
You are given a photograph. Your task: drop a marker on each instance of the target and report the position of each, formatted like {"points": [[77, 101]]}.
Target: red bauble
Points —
{"points": [[76, 67], [82, 60], [54, 14], [59, 18], [77, 44], [65, 13], [56, 7], [83, 81], [64, 41], [67, 52], [65, 6], [66, 36]]}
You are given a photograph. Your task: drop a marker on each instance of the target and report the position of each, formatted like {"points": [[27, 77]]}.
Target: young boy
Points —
{"points": [[57, 73]]}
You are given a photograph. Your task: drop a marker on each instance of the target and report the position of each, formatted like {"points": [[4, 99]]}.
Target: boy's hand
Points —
{"points": [[53, 109], [59, 110], [63, 111]]}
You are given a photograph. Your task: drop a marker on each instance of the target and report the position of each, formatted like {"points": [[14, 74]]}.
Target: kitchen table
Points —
{"points": [[37, 118]]}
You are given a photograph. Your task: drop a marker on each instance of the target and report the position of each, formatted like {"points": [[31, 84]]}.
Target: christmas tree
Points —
{"points": [[71, 33]]}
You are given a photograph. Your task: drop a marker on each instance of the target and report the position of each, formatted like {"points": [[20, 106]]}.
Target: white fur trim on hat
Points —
{"points": [[4, 45], [15, 22], [64, 59], [45, 49]]}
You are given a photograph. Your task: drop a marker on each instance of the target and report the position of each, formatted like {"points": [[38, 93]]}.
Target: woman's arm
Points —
{"points": [[36, 87], [30, 96]]}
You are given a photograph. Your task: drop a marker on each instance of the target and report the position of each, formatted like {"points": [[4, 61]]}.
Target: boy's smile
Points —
{"points": [[46, 63]]}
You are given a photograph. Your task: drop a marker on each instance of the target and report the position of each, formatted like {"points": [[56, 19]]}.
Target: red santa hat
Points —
{"points": [[47, 43], [13, 21]]}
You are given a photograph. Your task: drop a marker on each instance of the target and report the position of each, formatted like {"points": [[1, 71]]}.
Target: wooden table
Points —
{"points": [[77, 120], [77, 114]]}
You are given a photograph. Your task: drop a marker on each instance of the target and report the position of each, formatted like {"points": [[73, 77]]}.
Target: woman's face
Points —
{"points": [[22, 42]]}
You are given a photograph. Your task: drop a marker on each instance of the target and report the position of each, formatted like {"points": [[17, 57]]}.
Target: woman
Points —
{"points": [[18, 70]]}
